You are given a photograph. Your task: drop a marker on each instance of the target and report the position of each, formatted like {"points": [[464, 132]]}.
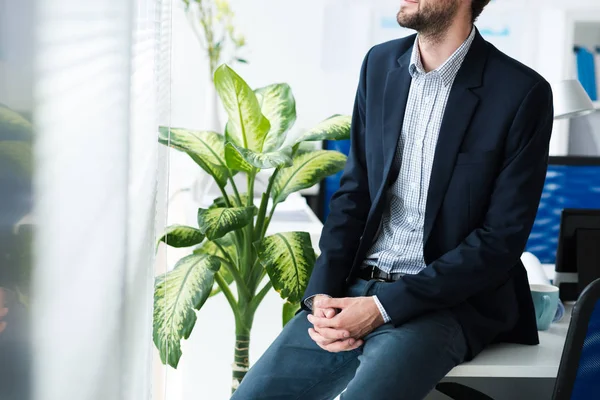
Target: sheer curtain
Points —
{"points": [[99, 89]]}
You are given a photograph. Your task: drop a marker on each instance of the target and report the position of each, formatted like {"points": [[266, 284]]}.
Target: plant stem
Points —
{"points": [[251, 177], [238, 235], [253, 279], [261, 227], [228, 295], [235, 191], [243, 290], [268, 220], [225, 197], [260, 296], [246, 262], [225, 253], [260, 219], [241, 361], [231, 267]]}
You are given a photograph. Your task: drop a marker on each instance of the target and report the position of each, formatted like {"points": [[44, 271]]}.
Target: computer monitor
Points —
{"points": [[578, 252], [571, 182]]}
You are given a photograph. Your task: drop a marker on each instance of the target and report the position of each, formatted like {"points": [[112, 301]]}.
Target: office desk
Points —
{"points": [[519, 361]]}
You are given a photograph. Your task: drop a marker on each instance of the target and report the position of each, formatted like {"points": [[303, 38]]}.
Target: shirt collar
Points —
{"points": [[448, 70]]}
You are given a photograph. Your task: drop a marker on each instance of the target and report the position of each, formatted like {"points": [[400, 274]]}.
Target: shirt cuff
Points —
{"points": [[384, 314], [309, 300]]}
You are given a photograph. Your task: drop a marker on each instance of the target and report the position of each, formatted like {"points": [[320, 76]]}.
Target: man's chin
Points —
{"points": [[405, 18]]}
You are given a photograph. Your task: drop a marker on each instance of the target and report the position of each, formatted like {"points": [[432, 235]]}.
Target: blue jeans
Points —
{"points": [[403, 362]]}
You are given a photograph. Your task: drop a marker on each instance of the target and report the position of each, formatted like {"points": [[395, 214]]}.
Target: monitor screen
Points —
{"points": [[571, 182], [578, 249]]}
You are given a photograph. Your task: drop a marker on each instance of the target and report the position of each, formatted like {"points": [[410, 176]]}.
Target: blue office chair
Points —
{"points": [[579, 371]]}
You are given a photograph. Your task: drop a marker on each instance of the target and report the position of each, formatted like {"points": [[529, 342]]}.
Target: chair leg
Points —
{"points": [[458, 391]]}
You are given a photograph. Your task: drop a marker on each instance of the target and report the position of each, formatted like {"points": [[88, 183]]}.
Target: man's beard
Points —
{"points": [[431, 20]]}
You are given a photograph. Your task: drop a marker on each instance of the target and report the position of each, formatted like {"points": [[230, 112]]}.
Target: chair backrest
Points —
{"points": [[579, 371]]}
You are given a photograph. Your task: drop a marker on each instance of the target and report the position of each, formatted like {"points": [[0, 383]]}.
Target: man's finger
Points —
{"points": [[3, 312], [334, 334], [320, 340], [2, 326], [321, 322], [324, 312], [331, 302], [333, 346], [344, 345], [329, 313]]}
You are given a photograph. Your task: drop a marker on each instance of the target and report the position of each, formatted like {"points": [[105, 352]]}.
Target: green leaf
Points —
{"points": [[235, 161], [336, 127], [242, 60], [209, 247], [304, 147], [247, 126], [289, 259], [220, 201], [307, 170], [181, 236], [278, 105], [206, 148], [274, 159], [217, 222], [176, 295], [289, 311], [18, 156], [207, 144]]}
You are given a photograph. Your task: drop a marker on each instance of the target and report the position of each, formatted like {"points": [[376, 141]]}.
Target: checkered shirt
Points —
{"points": [[398, 247]]}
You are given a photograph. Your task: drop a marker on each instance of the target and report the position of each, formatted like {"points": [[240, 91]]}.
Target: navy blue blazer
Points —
{"points": [[486, 182]]}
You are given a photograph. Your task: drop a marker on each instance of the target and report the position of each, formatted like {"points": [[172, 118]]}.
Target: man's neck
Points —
{"points": [[436, 49]]}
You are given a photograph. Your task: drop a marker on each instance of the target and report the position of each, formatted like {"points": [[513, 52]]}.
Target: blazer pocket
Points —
{"points": [[475, 157]]}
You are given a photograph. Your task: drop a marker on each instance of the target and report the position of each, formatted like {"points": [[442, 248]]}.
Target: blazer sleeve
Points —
{"points": [[349, 209], [485, 257]]}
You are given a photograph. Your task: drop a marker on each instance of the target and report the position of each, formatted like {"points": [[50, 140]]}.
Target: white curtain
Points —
{"points": [[99, 88]]}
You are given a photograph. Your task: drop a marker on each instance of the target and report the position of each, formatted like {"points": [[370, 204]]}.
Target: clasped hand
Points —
{"points": [[341, 324]]}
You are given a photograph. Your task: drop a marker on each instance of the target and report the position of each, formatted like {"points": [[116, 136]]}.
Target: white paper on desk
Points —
{"points": [[346, 34], [535, 271]]}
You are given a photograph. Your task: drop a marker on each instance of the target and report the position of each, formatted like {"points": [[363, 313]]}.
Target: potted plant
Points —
{"points": [[230, 245]]}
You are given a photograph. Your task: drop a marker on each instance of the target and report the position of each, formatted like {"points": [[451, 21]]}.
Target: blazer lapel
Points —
{"points": [[460, 107], [397, 86]]}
